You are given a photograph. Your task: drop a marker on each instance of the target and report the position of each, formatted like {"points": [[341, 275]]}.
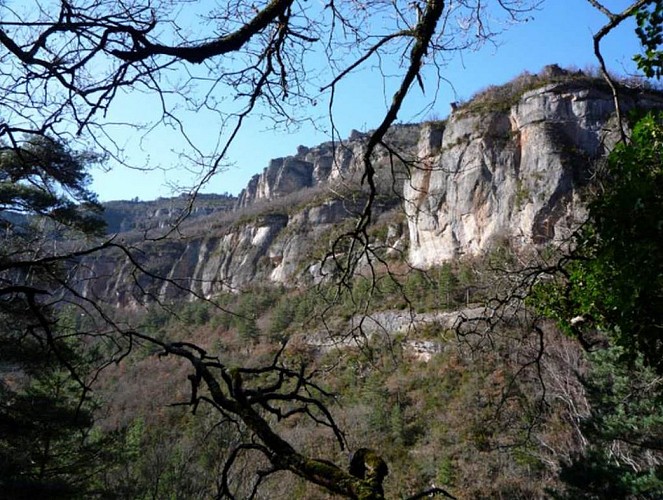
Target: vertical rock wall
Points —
{"points": [[516, 175]]}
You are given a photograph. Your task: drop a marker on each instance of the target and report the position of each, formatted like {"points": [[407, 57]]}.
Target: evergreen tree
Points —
{"points": [[46, 450], [611, 292]]}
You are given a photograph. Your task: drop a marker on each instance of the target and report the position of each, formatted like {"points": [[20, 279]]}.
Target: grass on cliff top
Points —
{"points": [[500, 98]]}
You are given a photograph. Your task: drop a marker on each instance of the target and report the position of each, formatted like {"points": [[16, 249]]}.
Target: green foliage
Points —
{"points": [[437, 288], [615, 277], [45, 178], [628, 401], [283, 315], [246, 316], [624, 427], [596, 476], [174, 459], [303, 306], [417, 285], [155, 320], [47, 449], [196, 313], [625, 272], [613, 284], [250, 306], [650, 32]]}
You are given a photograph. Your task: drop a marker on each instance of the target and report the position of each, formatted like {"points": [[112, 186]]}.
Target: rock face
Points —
{"points": [[321, 165], [282, 177], [126, 216], [486, 176], [269, 248], [513, 175]]}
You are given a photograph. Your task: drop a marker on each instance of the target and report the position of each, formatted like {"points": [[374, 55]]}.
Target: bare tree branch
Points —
{"points": [[615, 19]]}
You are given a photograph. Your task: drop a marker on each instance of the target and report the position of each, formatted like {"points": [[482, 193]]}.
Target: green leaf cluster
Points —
{"points": [[650, 32], [611, 288], [44, 177], [47, 447], [614, 279], [623, 429]]}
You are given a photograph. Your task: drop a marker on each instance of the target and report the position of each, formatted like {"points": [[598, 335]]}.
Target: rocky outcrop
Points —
{"points": [[488, 175], [283, 176], [516, 175], [205, 264], [268, 248], [328, 163], [134, 215]]}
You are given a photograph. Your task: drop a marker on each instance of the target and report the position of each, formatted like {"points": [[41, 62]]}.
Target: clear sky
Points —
{"points": [[560, 31]]}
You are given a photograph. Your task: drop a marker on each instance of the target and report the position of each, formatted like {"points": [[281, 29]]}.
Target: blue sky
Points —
{"points": [[560, 31]]}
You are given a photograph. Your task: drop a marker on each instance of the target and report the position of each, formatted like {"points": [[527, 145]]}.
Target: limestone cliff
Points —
{"points": [[208, 258], [512, 170], [329, 163], [516, 174]]}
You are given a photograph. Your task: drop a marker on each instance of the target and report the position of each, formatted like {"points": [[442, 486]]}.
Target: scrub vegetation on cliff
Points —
{"points": [[497, 98]]}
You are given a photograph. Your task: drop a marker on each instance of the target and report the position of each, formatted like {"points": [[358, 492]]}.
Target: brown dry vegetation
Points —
{"points": [[480, 418]]}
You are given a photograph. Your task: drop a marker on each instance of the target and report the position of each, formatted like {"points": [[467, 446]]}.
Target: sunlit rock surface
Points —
{"points": [[517, 175], [486, 176]]}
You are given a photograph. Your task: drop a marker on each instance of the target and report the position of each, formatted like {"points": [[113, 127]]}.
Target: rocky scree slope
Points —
{"points": [[487, 175]]}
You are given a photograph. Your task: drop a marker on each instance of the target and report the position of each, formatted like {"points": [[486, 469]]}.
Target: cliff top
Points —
{"points": [[503, 97]]}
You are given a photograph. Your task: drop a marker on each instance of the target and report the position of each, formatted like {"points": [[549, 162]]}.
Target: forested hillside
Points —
{"points": [[476, 374], [468, 307]]}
